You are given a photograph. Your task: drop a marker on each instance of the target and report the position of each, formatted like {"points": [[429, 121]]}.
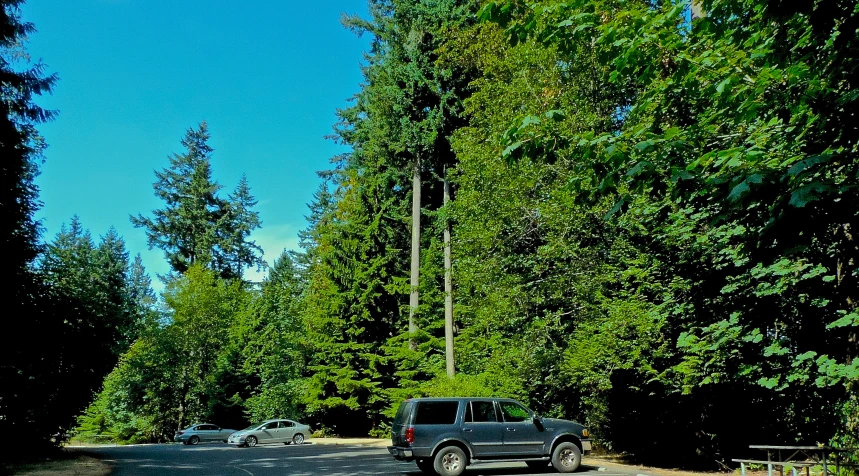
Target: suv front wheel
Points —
{"points": [[449, 461], [567, 457]]}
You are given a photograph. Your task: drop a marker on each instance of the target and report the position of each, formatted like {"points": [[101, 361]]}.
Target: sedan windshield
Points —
{"points": [[252, 427]]}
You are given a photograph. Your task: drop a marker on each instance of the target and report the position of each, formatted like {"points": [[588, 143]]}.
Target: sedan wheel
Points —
{"points": [[251, 441], [298, 439], [194, 440]]}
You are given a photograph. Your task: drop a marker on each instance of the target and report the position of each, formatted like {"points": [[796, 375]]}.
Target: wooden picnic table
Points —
{"points": [[793, 457]]}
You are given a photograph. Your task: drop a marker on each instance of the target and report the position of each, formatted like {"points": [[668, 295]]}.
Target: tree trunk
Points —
{"points": [[416, 251], [697, 10], [448, 288]]}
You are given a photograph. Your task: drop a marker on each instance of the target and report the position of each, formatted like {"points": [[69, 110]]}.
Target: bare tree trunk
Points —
{"points": [[448, 288], [416, 251], [183, 397], [697, 9]]}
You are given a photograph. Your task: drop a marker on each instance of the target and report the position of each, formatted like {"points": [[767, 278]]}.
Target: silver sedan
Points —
{"points": [[202, 432], [271, 431]]}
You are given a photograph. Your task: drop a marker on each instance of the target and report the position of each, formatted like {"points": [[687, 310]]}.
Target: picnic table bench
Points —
{"points": [[798, 457]]}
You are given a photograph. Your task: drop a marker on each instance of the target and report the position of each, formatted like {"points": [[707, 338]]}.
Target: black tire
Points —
{"points": [[298, 439], [251, 441], [426, 465], [537, 464], [450, 461], [193, 440], [567, 457]]}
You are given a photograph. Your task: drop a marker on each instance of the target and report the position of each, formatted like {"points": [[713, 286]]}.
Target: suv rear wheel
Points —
{"points": [[567, 457], [449, 461]]}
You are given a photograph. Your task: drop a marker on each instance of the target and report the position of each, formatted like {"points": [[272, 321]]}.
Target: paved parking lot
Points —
{"points": [[269, 460]]}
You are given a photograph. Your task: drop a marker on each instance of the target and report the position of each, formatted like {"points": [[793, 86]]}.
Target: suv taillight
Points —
{"points": [[410, 435]]}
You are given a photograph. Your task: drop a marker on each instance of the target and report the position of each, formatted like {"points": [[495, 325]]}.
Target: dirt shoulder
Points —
{"points": [[68, 465], [610, 462]]}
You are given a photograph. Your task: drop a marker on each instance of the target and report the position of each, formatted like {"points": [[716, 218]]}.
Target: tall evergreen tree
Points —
{"points": [[196, 226], [236, 251], [96, 277], [142, 295], [369, 344]]}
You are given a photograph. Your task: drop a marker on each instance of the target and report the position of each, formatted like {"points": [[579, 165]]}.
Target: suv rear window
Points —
{"points": [[436, 413], [402, 413]]}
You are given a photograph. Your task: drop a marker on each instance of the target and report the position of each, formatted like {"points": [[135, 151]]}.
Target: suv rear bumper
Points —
{"points": [[412, 453], [400, 453]]}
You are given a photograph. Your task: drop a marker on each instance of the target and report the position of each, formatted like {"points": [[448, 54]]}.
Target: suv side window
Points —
{"points": [[513, 412], [436, 413], [480, 412]]}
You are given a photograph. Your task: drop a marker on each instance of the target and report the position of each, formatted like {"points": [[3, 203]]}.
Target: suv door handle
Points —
{"points": [[511, 429]]}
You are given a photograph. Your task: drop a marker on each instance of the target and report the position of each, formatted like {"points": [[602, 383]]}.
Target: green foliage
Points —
{"points": [[728, 158], [461, 385], [225, 354]]}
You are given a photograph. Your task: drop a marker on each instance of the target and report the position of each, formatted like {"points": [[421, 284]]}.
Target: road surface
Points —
{"points": [[219, 459]]}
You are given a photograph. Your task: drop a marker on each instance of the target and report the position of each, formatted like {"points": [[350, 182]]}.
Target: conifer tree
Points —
{"points": [[196, 226]]}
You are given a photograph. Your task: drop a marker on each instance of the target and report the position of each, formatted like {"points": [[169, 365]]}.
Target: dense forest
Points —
{"points": [[648, 209]]}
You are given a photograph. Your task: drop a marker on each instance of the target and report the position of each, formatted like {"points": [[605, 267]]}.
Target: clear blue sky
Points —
{"points": [[267, 76]]}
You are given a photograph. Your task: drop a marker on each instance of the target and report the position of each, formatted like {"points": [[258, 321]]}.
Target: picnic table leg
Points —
{"points": [[742, 469], [781, 467], [769, 469], [825, 466]]}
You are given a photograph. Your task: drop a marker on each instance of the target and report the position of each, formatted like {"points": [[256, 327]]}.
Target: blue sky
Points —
{"points": [[267, 76]]}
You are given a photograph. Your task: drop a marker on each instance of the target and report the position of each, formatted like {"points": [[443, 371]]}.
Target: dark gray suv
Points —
{"points": [[444, 435]]}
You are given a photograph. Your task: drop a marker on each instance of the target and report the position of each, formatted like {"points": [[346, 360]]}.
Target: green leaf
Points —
{"points": [[806, 194], [529, 120], [511, 149], [803, 165], [851, 319], [616, 208], [644, 145], [739, 191], [556, 115]]}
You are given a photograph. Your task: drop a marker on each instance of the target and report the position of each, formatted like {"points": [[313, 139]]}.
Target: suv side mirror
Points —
{"points": [[538, 422]]}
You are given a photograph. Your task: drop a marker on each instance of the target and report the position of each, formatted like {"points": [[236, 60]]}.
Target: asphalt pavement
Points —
{"points": [[218, 459]]}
